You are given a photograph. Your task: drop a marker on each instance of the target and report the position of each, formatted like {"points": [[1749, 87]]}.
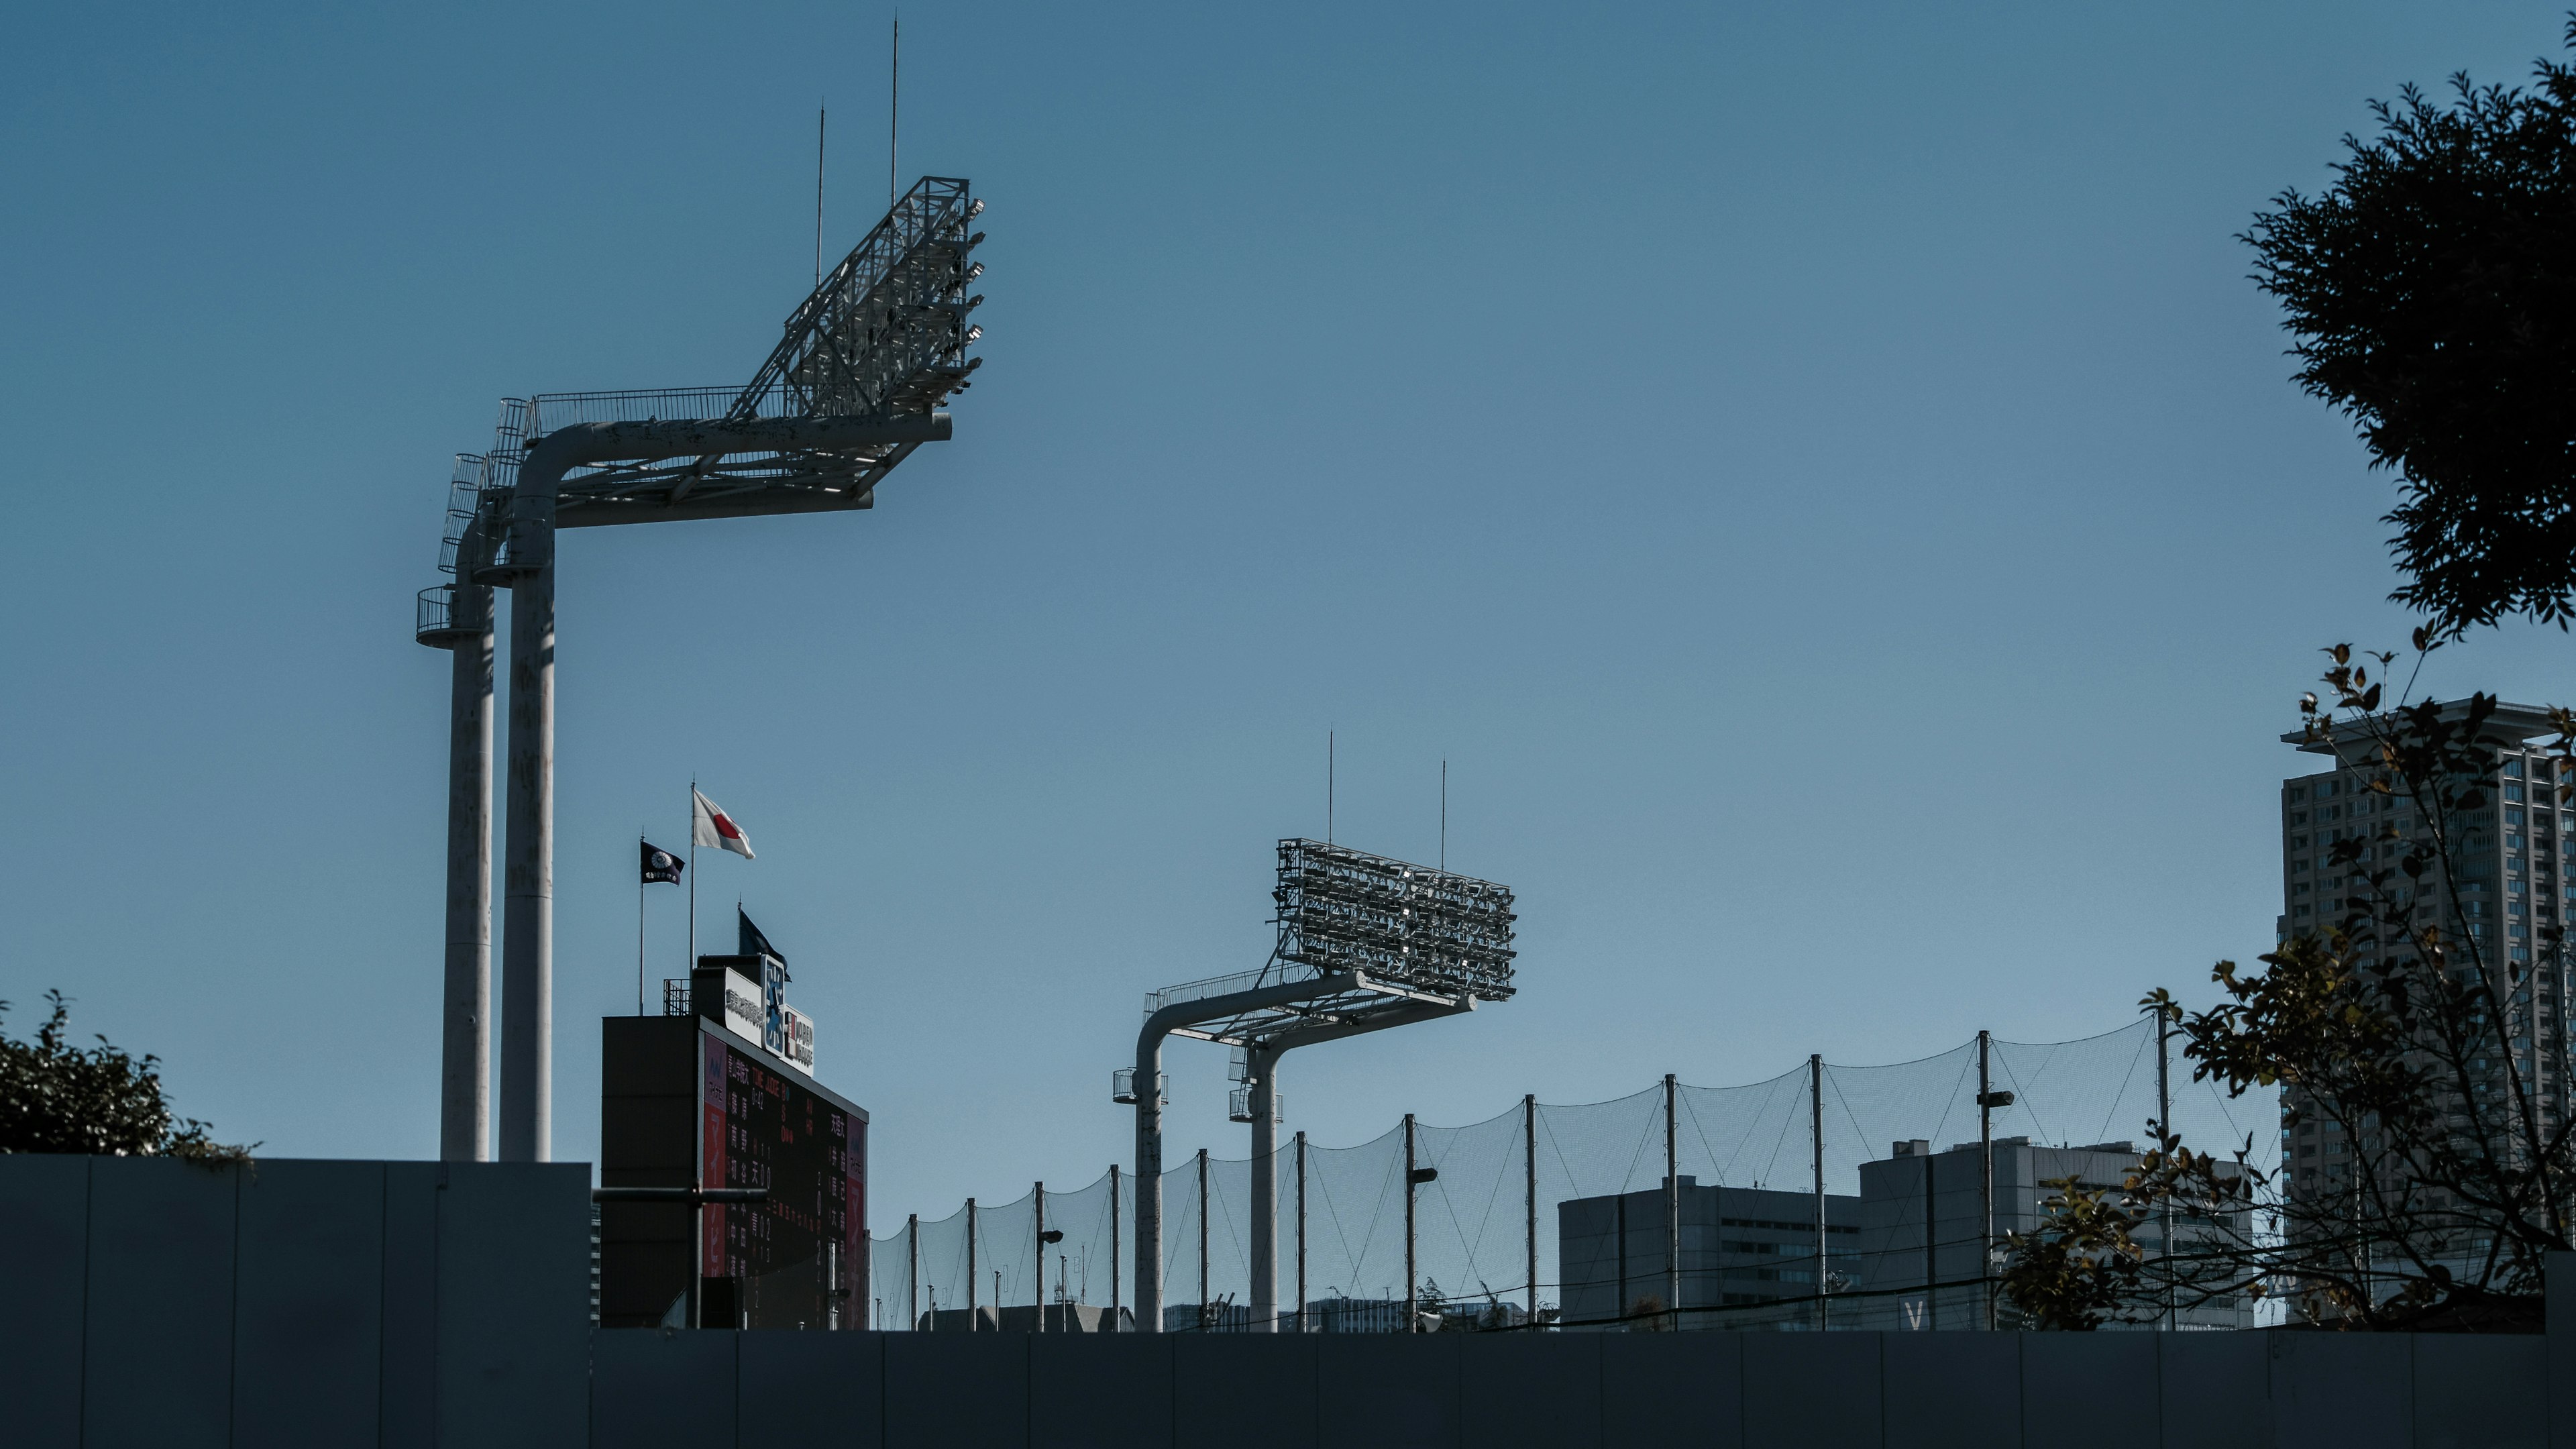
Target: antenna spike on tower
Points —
{"points": [[820, 114], [894, 115]]}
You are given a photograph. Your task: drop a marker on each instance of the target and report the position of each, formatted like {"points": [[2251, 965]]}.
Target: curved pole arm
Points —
{"points": [[549, 458], [1149, 1115]]}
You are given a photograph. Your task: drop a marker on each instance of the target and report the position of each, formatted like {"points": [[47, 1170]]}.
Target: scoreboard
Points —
{"points": [[788, 1259], [687, 1102]]}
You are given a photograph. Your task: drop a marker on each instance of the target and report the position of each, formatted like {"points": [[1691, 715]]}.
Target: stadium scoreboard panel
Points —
{"points": [[685, 1102], [765, 1125]]}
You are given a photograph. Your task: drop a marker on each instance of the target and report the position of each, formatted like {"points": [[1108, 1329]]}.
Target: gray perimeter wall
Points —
{"points": [[414, 1304], [149, 1302]]}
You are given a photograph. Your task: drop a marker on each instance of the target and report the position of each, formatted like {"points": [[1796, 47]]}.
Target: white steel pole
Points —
{"points": [[465, 1037], [1259, 1068], [527, 920]]}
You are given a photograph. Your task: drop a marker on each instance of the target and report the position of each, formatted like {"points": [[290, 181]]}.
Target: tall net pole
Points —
{"points": [[1986, 1172], [970, 1265], [1529, 1193], [1204, 1325], [1411, 1313], [912, 1271], [1301, 1232], [1672, 1210], [1816, 1126], [1037, 1244], [1113, 1248]]}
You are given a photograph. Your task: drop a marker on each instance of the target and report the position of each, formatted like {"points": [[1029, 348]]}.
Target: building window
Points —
{"points": [[2512, 792], [2513, 815], [2514, 769], [2299, 867], [2298, 792]]}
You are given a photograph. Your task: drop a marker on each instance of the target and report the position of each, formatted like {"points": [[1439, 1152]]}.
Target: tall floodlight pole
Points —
{"points": [[1334, 974], [1113, 1249], [912, 1271], [465, 1035], [1037, 1245], [971, 1325], [1816, 1121], [528, 886], [1261, 1091], [1261, 1067], [850, 391], [1672, 1208]]}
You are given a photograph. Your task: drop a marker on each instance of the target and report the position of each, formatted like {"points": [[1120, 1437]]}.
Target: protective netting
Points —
{"points": [[1576, 1192]]}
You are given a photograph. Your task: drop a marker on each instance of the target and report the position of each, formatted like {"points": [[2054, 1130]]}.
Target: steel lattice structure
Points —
{"points": [[1344, 910]]}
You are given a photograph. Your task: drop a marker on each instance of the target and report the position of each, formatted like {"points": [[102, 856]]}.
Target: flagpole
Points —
{"points": [[691, 965]]}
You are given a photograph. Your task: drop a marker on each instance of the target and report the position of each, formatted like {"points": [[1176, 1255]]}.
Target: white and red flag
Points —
{"points": [[714, 827]]}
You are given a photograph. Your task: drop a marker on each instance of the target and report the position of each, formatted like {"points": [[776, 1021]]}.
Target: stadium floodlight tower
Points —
{"points": [[853, 387], [1365, 943]]}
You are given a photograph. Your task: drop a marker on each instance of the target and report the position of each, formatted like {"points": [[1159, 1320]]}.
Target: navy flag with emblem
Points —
{"points": [[661, 866]]}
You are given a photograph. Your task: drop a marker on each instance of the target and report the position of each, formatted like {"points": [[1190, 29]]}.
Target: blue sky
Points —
{"points": [[1819, 475]]}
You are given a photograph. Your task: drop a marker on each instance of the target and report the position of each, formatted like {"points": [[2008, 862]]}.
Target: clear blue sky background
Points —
{"points": [[1819, 474]]}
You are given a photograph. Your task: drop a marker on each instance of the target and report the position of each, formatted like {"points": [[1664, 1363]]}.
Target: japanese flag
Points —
{"points": [[714, 827]]}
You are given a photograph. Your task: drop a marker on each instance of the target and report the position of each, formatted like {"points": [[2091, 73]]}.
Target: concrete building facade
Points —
{"points": [[1909, 1279], [1748, 1256]]}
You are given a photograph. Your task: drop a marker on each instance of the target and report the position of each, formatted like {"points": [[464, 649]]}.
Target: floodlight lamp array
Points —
{"points": [[1343, 910], [886, 333]]}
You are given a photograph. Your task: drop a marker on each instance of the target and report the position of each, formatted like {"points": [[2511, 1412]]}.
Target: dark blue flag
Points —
{"points": [[661, 867]]}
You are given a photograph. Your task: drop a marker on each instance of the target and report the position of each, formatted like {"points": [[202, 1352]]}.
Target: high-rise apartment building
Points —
{"points": [[2506, 897]]}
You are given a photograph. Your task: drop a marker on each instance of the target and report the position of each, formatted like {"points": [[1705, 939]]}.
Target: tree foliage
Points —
{"points": [[2432, 290], [2080, 1267], [56, 1097]]}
